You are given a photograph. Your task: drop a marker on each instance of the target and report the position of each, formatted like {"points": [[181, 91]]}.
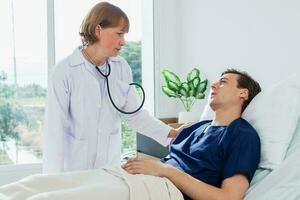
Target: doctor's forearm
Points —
{"points": [[149, 126]]}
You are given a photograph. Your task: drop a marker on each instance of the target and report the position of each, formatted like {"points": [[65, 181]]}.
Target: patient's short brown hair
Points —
{"points": [[245, 81]]}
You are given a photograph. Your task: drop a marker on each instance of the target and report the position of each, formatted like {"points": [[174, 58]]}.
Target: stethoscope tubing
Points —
{"points": [[109, 94]]}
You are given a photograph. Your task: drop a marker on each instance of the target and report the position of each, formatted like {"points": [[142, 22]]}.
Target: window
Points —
{"points": [[23, 80]]}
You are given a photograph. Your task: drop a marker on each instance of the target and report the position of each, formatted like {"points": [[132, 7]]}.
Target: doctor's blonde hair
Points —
{"points": [[104, 14]]}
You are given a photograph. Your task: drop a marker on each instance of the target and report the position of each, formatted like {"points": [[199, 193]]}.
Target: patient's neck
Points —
{"points": [[224, 117]]}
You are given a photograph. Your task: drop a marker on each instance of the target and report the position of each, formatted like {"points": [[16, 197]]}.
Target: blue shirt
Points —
{"points": [[213, 153]]}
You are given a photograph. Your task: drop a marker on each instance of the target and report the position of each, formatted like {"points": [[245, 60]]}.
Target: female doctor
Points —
{"points": [[82, 126]]}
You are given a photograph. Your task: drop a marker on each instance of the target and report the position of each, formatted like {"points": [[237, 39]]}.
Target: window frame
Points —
{"points": [[148, 56]]}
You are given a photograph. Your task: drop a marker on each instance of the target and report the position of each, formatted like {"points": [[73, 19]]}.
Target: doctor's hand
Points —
{"points": [[175, 131], [146, 166]]}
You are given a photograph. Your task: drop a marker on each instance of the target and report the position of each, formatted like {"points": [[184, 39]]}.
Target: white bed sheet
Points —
{"points": [[108, 183]]}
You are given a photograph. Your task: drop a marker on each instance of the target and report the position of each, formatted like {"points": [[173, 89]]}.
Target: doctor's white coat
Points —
{"points": [[82, 128]]}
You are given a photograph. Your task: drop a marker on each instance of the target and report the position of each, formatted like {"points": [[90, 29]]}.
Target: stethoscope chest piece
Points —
{"points": [[106, 76]]}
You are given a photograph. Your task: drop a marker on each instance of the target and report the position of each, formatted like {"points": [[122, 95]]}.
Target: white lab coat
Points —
{"points": [[82, 128]]}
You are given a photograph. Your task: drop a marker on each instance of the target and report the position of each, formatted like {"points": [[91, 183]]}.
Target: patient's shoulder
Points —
{"points": [[241, 124], [243, 129]]}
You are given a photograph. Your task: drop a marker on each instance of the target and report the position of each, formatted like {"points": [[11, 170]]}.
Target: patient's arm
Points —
{"points": [[232, 188]]}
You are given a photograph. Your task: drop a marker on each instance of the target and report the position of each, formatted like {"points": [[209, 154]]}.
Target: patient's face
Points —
{"points": [[224, 92]]}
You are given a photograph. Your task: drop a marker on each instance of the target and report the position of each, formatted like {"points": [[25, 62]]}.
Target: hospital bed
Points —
{"points": [[280, 181]]}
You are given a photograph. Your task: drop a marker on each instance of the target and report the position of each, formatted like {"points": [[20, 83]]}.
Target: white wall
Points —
{"points": [[165, 53], [259, 36]]}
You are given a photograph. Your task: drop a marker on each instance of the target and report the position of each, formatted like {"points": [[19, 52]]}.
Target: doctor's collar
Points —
{"points": [[76, 58]]}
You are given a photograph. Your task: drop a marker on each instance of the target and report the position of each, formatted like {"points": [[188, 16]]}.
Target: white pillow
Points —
{"points": [[274, 114], [208, 113], [295, 142]]}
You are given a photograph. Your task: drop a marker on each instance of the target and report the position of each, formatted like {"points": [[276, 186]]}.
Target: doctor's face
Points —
{"points": [[225, 92], [112, 40]]}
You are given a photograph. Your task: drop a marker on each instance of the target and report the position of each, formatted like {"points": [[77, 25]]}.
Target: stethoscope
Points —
{"points": [[108, 90]]}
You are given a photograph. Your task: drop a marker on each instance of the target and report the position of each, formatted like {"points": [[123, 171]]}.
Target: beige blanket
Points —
{"points": [[107, 183]]}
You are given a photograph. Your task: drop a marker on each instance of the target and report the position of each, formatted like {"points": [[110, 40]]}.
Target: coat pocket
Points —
{"points": [[75, 153], [114, 150]]}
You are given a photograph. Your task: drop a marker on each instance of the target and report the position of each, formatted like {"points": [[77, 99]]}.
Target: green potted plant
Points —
{"points": [[187, 91]]}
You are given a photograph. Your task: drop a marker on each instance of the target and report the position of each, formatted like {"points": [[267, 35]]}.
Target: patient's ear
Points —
{"points": [[244, 94]]}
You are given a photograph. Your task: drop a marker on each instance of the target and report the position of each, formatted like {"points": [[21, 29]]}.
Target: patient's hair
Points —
{"points": [[245, 81]]}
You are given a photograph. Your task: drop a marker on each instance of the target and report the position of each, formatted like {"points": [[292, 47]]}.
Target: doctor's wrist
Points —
{"points": [[173, 133]]}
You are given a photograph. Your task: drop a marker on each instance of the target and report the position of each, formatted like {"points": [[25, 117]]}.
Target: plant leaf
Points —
{"points": [[202, 87], [200, 96], [170, 76], [185, 85], [173, 86], [196, 82], [183, 92], [168, 92], [192, 92], [193, 74]]}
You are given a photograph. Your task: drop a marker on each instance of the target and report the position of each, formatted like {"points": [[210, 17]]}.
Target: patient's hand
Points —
{"points": [[147, 166]]}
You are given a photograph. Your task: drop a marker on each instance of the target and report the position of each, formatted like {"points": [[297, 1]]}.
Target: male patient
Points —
{"points": [[213, 159]]}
